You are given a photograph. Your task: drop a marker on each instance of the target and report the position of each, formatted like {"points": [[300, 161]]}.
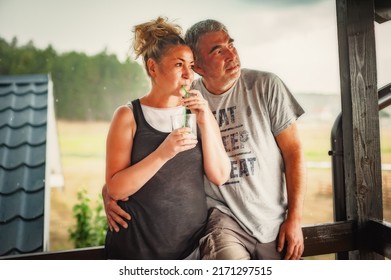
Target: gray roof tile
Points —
{"points": [[21, 205], [28, 155], [20, 236], [24, 177], [12, 137], [17, 119]]}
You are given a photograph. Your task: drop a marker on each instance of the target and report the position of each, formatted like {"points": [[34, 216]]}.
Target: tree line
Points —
{"points": [[84, 87]]}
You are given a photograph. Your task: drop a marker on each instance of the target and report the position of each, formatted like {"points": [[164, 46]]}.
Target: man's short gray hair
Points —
{"points": [[195, 32]]}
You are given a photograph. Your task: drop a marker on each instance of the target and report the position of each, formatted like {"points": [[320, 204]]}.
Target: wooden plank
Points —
{"points": [[346, 102], [360, 120], [91, 253], [318, 240], [382, 11], [379, 236], [329, 238]]}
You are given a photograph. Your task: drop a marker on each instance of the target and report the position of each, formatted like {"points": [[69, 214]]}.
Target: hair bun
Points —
{"points": [[147, 35]]}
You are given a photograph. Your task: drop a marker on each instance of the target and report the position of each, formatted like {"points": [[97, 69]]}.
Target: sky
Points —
{"points": [[295, 39]]}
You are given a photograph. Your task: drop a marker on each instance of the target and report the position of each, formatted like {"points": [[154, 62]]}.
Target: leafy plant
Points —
{"points": [[91, 226]]}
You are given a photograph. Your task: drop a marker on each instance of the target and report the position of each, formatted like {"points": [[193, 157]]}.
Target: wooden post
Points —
{"points": [[360, 117]]}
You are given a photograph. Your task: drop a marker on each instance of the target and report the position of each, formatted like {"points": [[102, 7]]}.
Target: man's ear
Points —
{"points": [[198, 70], [151, 67]]}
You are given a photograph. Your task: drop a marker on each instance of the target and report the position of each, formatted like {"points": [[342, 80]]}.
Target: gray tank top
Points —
{"points": [[169, 212]]}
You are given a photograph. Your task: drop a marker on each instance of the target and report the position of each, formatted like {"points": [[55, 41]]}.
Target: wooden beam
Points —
{"points": [[360, 117], [329, 238], [318, 240], [91, 253], [379, 237], [382, 10]]}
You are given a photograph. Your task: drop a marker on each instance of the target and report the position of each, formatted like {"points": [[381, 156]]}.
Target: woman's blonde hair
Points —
{"points": [[151, 39]]}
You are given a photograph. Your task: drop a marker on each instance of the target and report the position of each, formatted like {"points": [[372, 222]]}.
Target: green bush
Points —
{"points": [[91, 226]]}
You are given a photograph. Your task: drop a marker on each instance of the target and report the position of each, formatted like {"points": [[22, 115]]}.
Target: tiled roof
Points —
{"points": [[23, 146]]}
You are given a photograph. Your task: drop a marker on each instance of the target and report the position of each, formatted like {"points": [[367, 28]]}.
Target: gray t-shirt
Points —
{"points": [[255, 110]]}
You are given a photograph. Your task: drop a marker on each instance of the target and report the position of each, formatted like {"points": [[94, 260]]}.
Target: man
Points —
{"points": [[256, 113], [257, 213]]}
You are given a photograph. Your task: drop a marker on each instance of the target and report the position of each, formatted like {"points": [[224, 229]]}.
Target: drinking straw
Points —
{"points": [[185, 110]]}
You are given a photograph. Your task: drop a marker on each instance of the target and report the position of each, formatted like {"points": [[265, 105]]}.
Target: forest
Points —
{"points": [[86, 88]]}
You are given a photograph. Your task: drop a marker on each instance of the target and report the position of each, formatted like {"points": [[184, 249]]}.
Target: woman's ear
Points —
{"points": [[151, 66]]}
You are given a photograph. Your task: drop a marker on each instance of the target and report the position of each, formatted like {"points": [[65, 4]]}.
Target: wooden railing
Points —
{"points": [[342, 237], [318, 240]]}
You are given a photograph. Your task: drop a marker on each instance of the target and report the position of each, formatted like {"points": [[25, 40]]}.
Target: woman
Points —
{"points": [[159, 171]]}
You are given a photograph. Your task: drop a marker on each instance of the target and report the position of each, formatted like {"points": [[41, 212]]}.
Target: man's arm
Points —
{"points": [[115, 215], [292, 152]]}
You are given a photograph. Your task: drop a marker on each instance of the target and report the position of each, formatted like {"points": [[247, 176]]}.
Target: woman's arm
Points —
{"points": [[122, 177], [217, 165]]}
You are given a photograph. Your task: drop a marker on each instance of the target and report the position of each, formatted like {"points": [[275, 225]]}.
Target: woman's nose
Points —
{"points": [[187, 73]]}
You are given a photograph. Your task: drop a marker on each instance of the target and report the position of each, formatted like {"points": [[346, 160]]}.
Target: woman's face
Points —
{"points": [[174, 70]]}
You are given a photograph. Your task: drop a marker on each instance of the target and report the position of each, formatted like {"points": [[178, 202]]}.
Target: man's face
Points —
{"points": [[218, 60]]}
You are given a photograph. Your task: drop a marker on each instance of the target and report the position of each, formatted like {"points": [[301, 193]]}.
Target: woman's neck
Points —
{"points": [[159, 100]]}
